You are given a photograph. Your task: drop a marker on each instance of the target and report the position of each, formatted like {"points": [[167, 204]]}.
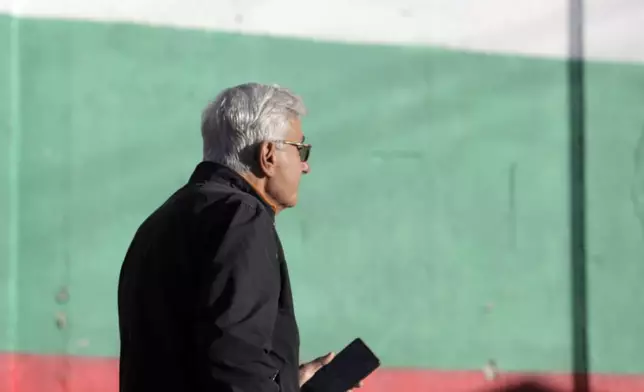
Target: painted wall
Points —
{"points": [[435, 221]]}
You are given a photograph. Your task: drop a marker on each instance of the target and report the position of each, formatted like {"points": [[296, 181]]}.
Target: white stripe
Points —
{"points": [[615, 28], [5, 6]]}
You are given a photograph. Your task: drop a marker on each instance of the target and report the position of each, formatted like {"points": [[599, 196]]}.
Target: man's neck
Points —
{"points": [[260, 188]]}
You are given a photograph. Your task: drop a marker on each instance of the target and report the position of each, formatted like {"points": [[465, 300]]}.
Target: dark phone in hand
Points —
{"points": [[352, 365]]}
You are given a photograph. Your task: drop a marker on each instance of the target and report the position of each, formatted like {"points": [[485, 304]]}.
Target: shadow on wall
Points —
{"points": [[637, 191]]}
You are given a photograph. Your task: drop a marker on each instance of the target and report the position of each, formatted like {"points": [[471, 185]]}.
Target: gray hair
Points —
{"points": [[243, 116]]}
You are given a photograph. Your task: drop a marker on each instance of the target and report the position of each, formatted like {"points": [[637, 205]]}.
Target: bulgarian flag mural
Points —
{"points": [[435, 223]]}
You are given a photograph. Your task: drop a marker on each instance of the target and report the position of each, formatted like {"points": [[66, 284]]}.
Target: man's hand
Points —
{"points": [[307, 370]]}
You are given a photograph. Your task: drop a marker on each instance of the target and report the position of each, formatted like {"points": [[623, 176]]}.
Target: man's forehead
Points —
{"points": [[295, 130]]}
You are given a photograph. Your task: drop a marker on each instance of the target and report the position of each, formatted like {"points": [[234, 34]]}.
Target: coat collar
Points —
{"points": [[215, 172]]}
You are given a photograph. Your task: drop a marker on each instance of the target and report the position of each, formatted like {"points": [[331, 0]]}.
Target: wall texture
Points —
{"points": [[434, 224]]}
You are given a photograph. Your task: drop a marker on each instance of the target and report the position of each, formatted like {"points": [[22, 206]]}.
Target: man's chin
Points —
{"points": [[291, 203]]}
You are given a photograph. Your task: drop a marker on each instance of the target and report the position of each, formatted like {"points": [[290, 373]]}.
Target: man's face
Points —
{"points": [[284, 184]]}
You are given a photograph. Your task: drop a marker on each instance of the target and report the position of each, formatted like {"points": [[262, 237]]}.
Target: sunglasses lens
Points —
{"points": [[304, 153]]}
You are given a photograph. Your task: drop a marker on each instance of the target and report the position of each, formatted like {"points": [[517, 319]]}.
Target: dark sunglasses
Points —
{"points": [[303, 148]]}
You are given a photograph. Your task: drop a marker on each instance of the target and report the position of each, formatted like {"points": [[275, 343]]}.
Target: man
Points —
{"points": [[204, 294]]}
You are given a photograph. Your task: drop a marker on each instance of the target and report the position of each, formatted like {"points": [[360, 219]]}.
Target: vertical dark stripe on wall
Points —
{"points": [[577, 156]]}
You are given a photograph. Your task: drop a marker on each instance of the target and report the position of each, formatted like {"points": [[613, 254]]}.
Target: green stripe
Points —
{"points": [[5, 183], [434, 222], [14, 174], [9, 148]]}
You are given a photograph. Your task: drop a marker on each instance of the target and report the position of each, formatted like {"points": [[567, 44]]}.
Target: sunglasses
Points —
{"points": [[303, 148]]}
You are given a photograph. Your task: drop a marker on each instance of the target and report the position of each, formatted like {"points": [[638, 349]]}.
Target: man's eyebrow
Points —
{"points": [[303, 138]]}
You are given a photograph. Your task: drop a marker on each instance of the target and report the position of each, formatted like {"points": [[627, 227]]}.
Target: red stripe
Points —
{"points": [[40, 373]]}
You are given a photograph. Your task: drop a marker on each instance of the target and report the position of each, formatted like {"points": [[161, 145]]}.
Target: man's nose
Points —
{"points": [[306, 168]]}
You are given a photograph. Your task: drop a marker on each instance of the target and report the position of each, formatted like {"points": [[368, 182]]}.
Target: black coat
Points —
{"points": [[204, 295]]}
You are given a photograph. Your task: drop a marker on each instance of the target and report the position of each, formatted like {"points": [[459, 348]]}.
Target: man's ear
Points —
{"points": [[267, 158]]}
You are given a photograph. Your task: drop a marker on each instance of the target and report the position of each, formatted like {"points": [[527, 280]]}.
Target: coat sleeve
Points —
{"points": [[241, 304]]}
